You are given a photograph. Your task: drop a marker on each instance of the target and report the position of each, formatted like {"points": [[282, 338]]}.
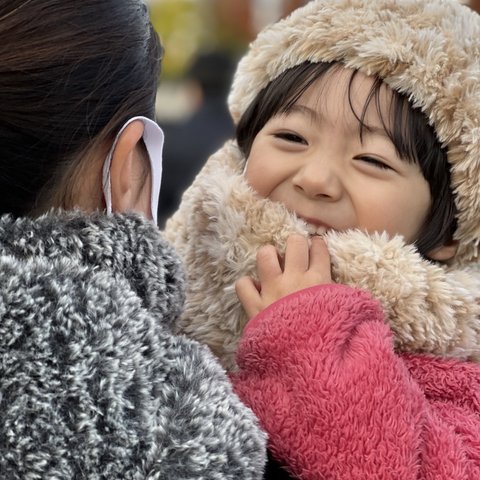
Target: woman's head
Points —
{"points": [[404, 127], [71, 74], [427, 52]]}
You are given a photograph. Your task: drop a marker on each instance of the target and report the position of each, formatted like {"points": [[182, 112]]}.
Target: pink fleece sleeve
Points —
{"points": [[319, 370]]}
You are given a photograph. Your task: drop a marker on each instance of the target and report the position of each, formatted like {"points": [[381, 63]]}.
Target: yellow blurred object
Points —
{"points": [[188, 26], [182, 27]]}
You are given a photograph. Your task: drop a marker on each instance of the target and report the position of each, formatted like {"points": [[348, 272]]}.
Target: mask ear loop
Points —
{"points": [[153, 138]]}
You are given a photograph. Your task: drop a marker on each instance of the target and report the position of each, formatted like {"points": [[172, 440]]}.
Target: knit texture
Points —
{"points": [[425, 49], [94, 385]]}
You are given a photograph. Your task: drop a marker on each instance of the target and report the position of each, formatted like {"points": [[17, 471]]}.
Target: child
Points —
{"points": [[357, 121], [94, 384]]}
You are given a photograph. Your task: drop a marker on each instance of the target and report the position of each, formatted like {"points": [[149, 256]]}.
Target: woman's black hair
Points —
{"points": [[407, 127], [71, 73]]}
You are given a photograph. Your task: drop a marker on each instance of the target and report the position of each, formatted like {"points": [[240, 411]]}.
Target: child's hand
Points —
{"points": [[302, 267]]}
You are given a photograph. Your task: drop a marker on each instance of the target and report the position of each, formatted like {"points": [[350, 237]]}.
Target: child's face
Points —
{"points": [[313, 161]]}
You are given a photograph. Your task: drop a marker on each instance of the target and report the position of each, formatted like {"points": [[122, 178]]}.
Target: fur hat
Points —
{"points": [[427, 50]]}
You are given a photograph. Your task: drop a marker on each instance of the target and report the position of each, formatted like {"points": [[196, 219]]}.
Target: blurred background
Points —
{"points": [[189, 27], [203, 41]]}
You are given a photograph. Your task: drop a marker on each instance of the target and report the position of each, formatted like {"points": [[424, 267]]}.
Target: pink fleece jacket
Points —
{"points": [[319, 370]]}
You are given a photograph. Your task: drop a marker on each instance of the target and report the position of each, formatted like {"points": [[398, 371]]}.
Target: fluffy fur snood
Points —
{"points": [[428, 50], [93, 382], [221, 223]]}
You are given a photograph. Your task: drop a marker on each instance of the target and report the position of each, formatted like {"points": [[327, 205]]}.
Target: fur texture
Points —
{"points": [[428, 50], [319, 371], [93, 382], [222, 222]]}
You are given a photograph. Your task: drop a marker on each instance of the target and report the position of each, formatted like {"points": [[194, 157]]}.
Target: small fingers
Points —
{"points": [[320, 259], [296, 253], [249, 296], [268, 263]]}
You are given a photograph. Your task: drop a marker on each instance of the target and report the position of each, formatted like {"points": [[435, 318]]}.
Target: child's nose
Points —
{"points": [[319, 178]]}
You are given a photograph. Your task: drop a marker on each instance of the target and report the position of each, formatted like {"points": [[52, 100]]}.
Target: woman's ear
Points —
{"points": [[124, 167], [444, 253]]}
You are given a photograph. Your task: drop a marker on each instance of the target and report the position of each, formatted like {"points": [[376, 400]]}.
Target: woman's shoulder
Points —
{"points": [[89, 362], [127, 249]]}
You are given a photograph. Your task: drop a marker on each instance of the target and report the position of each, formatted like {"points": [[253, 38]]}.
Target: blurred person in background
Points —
{"points": [[189, 142]]}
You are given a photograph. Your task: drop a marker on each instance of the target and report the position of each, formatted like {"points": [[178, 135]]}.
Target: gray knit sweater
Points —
{"points": [[93, 385]]}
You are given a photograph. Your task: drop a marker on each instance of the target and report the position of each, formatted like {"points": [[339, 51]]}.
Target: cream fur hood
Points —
{"points": [[222, 222]]}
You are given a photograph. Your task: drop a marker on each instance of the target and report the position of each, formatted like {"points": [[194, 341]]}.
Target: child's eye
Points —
{"points": [[290, 137], [375, 162]]}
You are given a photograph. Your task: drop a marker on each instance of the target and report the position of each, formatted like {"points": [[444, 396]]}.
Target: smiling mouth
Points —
{"points": [[316, 229], [314, 226]]}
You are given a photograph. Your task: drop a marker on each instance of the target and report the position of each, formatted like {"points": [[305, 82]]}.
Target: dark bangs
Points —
{"points": [[277, 97]]}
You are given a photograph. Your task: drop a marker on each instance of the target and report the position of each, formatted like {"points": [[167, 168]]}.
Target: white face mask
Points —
{"points": [[153, 140]]}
